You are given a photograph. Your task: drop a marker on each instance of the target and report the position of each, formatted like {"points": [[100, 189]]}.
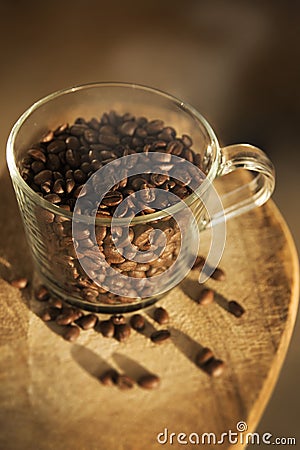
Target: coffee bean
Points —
{"points": [[87, 322], [48, 137], [58, 187], [41, 177], [109, 377], [68, 315], [175, 147], [118, 319], [56, 146], [107, 328], [158, 337], [154, 127], [206, 297], [53, 198], [124, 382], [38, 155], [218, 274], [137, 322], [42, 294], [204, 356], [161, 315], [214, 367], [235, 308], [149, 381], [56, 302], [112, 198], [50, 313], [128, 128], [73, 142], [20, 283], [71, 333], [122, 332]]}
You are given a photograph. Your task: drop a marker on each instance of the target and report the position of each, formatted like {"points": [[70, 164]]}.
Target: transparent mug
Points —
{"points": [[49, 228]]}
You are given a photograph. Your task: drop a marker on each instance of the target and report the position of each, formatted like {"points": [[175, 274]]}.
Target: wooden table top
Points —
{"points": [[50, 395]]}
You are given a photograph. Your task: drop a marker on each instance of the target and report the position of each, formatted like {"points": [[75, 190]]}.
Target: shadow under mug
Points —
{"points": [[48, 227]]}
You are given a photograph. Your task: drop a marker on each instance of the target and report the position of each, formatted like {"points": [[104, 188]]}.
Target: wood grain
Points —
{"points": [[50, 397]]}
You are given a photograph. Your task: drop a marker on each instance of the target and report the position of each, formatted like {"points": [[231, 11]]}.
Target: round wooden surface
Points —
{"points": [[50, 395]]}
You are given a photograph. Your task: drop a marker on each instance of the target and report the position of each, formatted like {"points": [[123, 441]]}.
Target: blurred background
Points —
{"points": [[237, 62]]}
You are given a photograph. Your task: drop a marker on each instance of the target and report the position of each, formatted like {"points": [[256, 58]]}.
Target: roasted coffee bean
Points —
{"points": [[56, 302], [175, 147], [107, 328], [53, 162], [109, 377], [199, 263], [48, 137], [68, 315], [73, 142], [206, 297], [53, 198], [112, 198], [20, 283], [137, 322], [154, 126], [204, 356], [56, 146], [128, 128], [87, 322], [218, 274], [42, 177], [235, 308], [186, 140], [42, 294], [158, 337], [122, 332], [71, 333], [124, 382], [50, 313], [37, 154], [149, 381], [161, 315], [58, 187], [117, 319], [214, 367]]}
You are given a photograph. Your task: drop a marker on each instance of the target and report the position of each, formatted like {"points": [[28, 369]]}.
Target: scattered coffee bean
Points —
{"points": [[124, 382], [87, 322], [122, 332], [71, 333], [158, 337], [204, 356], [118, 319], [107, 328], [235, 308], [137, 322], [214, 367], [42, 294], [50, 313], [68, 315], [20, 283], [206, 297], [218, 274], [56, 302], [161, 315], [149, 381], [109, 377]]}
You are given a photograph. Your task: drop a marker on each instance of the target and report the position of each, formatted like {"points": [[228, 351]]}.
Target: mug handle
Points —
{"points": [[249, 195]]}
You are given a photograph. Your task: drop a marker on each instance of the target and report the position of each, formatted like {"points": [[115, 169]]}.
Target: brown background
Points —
{"points": [[236, 62]]}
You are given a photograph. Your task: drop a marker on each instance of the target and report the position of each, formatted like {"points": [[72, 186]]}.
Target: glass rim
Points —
{"points": [[56, 209]]}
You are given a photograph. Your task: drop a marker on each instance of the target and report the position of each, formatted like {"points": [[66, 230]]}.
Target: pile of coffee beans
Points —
{"points": [[58, 166]]}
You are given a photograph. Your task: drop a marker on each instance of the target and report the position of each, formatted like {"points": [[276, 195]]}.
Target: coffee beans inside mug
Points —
{"points": [[58, 166]]}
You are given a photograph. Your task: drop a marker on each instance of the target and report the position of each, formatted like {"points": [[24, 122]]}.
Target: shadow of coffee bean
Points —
{"points": [[129, 366], [221, 301], [89, 360], [191, 288], [187, 345]]}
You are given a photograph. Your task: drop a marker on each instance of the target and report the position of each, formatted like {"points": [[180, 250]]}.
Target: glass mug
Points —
{"points": [[68, 264]]}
